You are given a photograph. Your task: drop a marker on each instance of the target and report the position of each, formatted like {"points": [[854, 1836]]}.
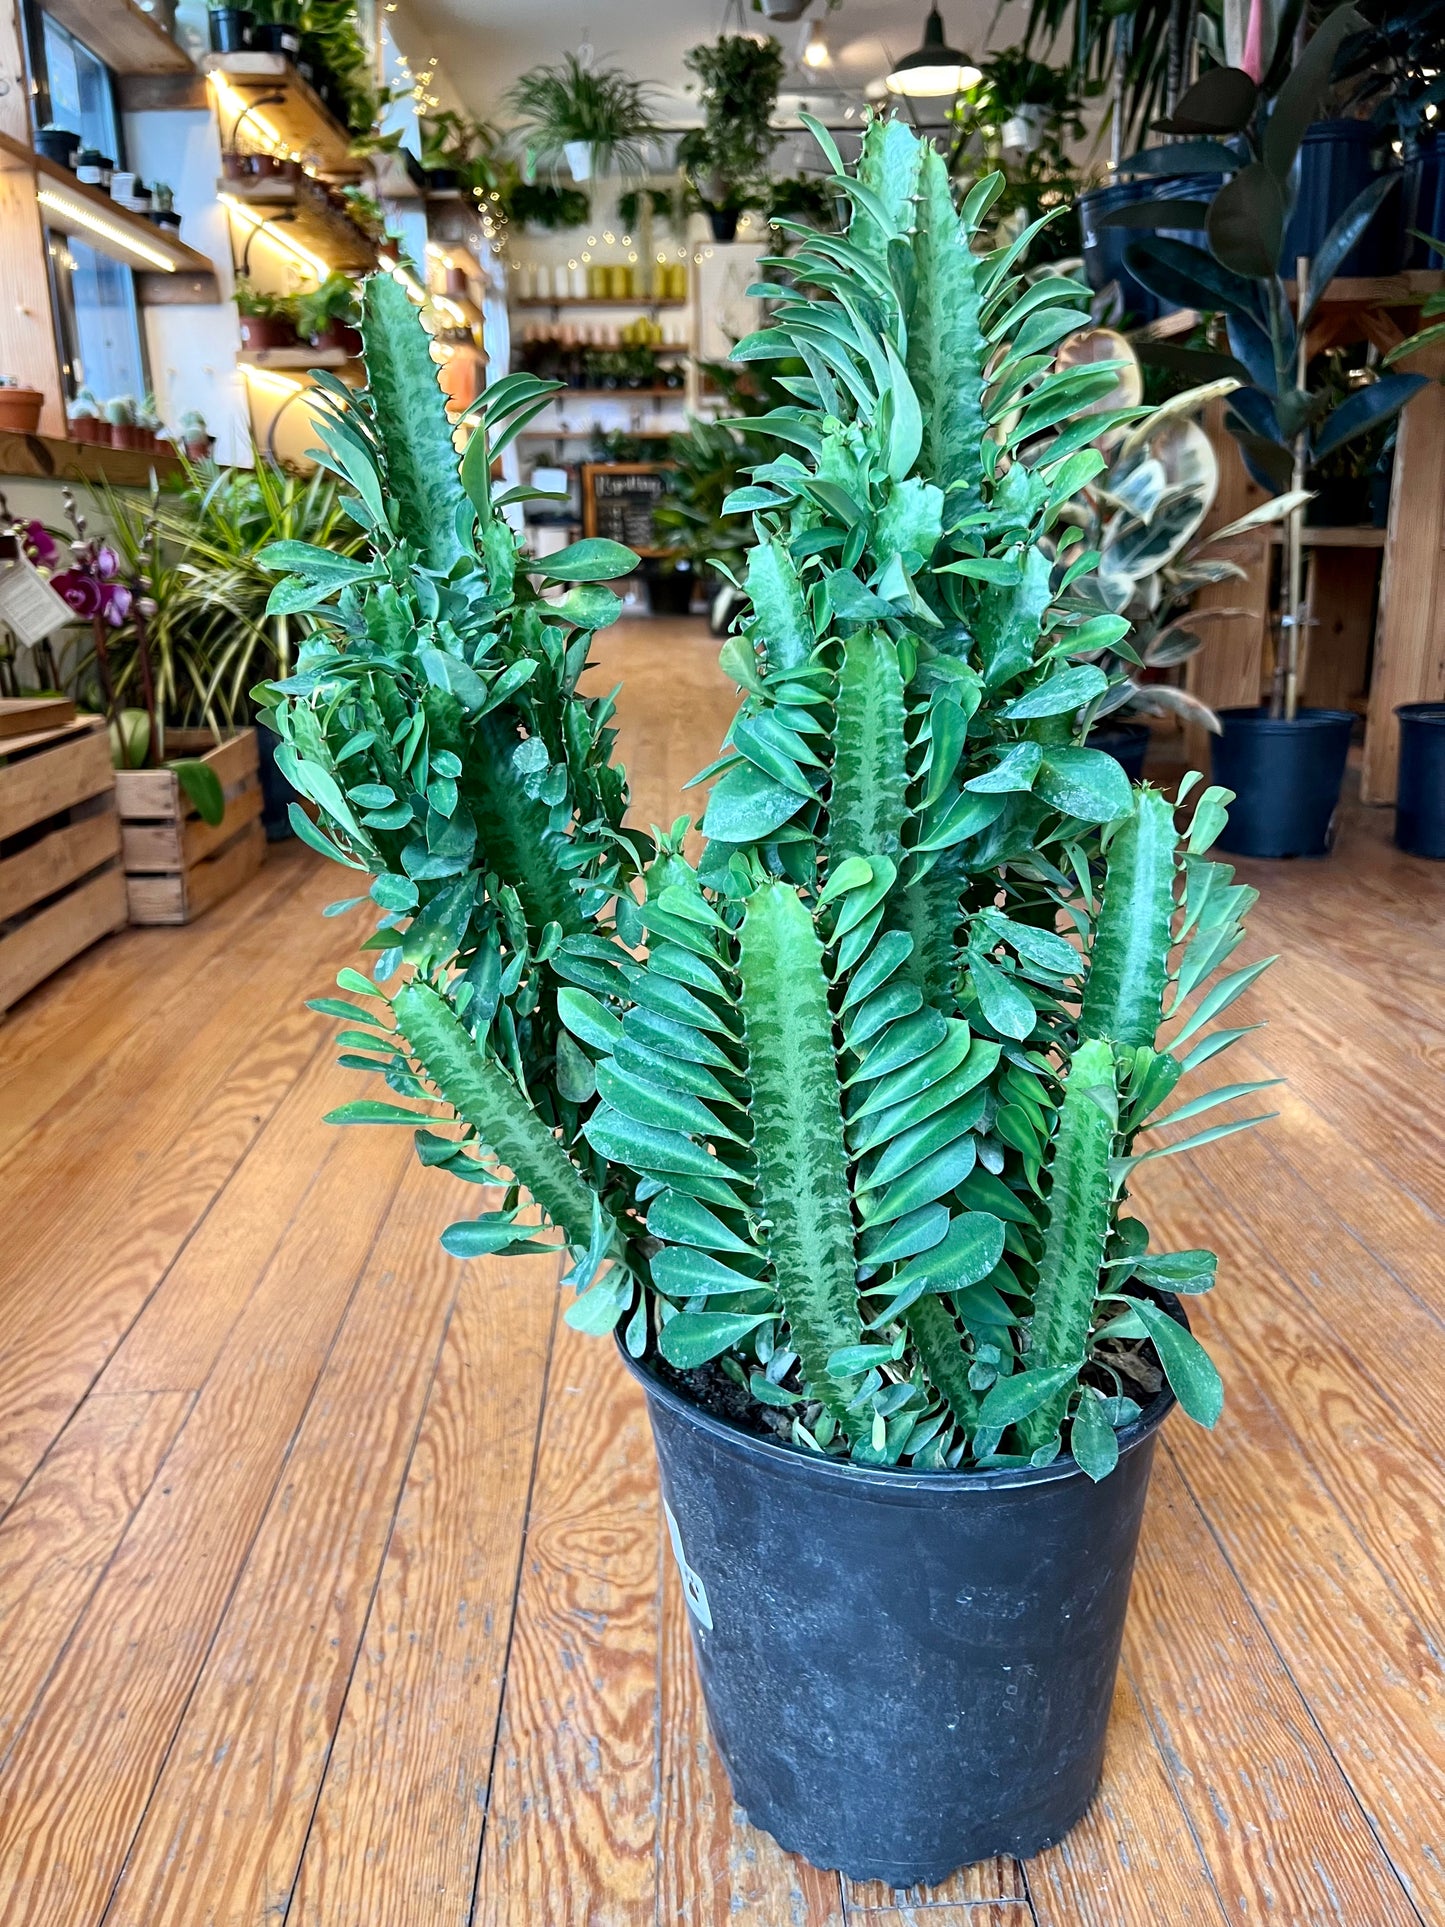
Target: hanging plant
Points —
{"points": [[726, 159], [596, 119]]}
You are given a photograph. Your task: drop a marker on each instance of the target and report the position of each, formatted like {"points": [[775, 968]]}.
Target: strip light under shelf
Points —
{"points": [[85, 217]]}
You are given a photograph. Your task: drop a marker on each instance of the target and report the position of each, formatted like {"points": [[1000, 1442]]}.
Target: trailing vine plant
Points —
{"points": [[849, 1111]]}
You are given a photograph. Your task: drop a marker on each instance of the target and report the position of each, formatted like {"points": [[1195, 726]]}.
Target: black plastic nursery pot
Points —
{"points": [[277, 795], [277, 37], [724, 223], [1127, 743], [230, 29], [1420, 799], [904, 1671], [1286, 779], [1337, 162], [669, 591]]}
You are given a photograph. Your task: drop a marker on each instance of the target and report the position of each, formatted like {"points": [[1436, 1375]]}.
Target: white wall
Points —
{"points": [[193, 349]]}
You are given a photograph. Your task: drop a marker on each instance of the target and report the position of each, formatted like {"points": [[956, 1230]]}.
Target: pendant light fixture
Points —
{"points": [[815, 52], [935, 69]]}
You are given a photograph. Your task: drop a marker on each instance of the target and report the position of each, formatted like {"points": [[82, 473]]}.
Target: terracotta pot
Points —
{"points": [[260, 167], [126, 435], [338, 334], [89, 428], [20, 410], [262, 331]]}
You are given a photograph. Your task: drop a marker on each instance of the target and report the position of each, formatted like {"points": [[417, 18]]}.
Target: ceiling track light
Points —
{"points": [[936, 69]]}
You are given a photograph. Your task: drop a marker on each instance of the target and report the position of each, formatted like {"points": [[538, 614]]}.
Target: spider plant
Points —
{"points": [[848, 1112], [599, 119], [211, 636]]}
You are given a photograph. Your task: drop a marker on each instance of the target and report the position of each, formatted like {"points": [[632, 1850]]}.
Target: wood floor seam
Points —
{"points": [[365, 1617], [244, 1560], [471, 1918], [94, 1387], [1306, 1706]]}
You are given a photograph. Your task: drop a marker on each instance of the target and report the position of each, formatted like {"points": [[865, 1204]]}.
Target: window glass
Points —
{"points": [[81, 97], [99, 329]]}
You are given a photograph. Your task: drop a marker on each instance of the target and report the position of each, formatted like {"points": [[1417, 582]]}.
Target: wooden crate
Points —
{"points": [[61, 883], [177, 865]]}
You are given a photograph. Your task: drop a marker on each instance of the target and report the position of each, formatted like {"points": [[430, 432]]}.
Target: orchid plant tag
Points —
{"points": [[28, 604]]}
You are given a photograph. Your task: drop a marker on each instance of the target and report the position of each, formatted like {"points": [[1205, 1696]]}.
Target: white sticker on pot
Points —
{"points": [[692, 1585]]}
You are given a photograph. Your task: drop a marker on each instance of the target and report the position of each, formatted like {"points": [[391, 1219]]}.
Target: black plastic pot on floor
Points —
{"points": [[1127, 743], [1286, 779], [277, 794], [1337, 161], [1420, 799], [669, 590], [230, 29], [903, 1671]]}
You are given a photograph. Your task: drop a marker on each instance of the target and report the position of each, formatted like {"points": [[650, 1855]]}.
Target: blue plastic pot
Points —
{"points": [[1104, 246], [1425, 200], [1337, 161]]}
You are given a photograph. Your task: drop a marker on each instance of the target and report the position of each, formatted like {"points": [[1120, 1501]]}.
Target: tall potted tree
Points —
{"points": [[838, 1126], [1285, 761]]}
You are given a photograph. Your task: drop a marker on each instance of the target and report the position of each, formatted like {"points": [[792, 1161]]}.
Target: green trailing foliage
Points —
{"points": [[848, 1111]]}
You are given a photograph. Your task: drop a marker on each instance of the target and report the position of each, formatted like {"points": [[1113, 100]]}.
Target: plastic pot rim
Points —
{"points": [[899, 1482], [1421, 712], [1260, 719]]}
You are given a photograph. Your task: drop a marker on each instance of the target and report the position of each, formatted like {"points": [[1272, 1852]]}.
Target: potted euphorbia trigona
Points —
{"points": [[837, 1126]]}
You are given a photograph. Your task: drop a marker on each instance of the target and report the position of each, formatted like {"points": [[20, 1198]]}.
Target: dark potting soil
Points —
{"points": [[713, 1391]]}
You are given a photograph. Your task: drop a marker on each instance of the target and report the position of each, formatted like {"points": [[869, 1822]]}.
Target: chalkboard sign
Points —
{"points": [[618, 499]]}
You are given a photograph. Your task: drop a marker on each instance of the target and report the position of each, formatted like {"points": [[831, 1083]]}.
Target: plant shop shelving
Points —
{"points": [[73, 207], [128, 38], [264, 92]]}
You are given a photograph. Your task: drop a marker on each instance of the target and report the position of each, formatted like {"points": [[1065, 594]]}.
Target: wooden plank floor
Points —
{"points": [[331, 1585]]}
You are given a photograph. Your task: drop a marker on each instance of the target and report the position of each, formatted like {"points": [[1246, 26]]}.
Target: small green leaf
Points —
{"points": [[368, 1110], [693, 1337], [1186, 1271], [593, 560], [1004, 1005], [1060, 695], [202, 788], [1012, 1399], [1092, 1438], [1190, 1370]]}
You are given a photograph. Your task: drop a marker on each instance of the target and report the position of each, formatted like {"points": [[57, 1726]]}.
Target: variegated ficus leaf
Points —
{"points": [[847, 1111]]}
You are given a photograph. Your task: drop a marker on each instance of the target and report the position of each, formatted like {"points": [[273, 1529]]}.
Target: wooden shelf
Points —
{"points": [[300, 211], [297, 360], [600, 301], [577, 434], [47, 458], [127, 39], [93, 217], [285, 104], [620, 394], [1324, 537]]}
